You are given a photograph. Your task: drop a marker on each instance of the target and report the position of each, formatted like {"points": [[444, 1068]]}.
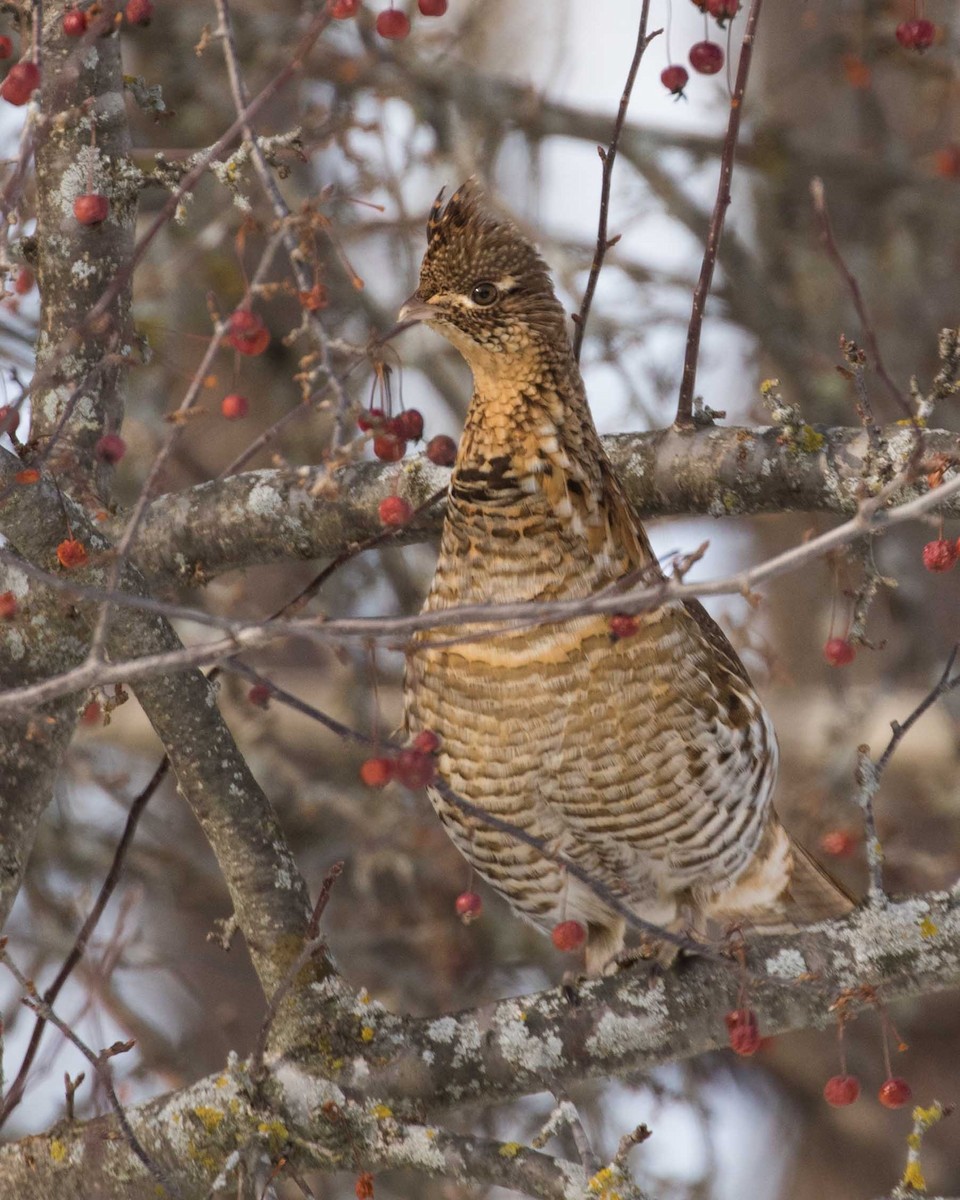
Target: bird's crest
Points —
{"points": [[463, 209]]}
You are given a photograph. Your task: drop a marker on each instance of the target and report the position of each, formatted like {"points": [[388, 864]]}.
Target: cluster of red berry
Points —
{"points": [[391, 435], [392, 23], [706, 57], [567, 936], [414, 767]]}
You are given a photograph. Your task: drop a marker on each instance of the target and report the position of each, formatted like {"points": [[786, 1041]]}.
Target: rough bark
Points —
{"points": [[266, 516], [355, 1094]]}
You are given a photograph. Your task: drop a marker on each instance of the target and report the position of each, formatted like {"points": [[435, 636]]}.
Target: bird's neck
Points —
{"points": [[532, 483], [528, 417]]}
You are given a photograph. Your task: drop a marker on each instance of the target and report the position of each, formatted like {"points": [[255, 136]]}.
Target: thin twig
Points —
{"points": [[684, 418], [100, 1063], [247, 635], [107, 888], [869, 772], [819, 197], [608, 158]]}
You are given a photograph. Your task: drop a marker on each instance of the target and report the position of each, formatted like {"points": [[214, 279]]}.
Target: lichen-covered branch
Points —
{"points": [[267, 891], [265, 516], [354, 1094]]}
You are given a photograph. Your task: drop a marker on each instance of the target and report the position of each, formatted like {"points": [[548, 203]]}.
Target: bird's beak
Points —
{"points": [[416, 309]]}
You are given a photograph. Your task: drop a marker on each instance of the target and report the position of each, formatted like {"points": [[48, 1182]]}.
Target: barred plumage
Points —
{"points": [[649, 760]]}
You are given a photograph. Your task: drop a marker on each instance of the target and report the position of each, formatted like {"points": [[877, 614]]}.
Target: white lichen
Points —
{"points": [[786, 964], [528, 1051]]}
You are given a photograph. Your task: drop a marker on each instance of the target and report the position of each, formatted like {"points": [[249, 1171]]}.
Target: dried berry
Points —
{"points": [[91, 208], [674, 78], [622, 625], [376, 772], [839, 652], [426, 742], [939, 555], [469, 906], [409, 425], [246, 333], [8, 606], [389, 448], [415, 769], [706, 57], [71, 553], [394, 510], [259, 695], [841, 1090], [110, 448], [568, 936], [393, 24], [442, 450], [74, 22], [894, 1093], [742, 1031], [139, 12], [234, 407], [21, 82]]}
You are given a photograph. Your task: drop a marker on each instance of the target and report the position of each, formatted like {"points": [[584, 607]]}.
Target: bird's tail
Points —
{"points": [[783, 888]]}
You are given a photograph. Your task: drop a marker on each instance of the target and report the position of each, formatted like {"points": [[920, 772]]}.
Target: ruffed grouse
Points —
{"points": [[649, 760]]}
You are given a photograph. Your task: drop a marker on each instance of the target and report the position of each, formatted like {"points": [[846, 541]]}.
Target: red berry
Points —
{"points": [[469, 906], [21, 82], [839, 843], [389, 448], [622, 625], [74, 23], [442, 450], [234, 407], [6, 47], [139, 12], [340, 10], [706, 57], [393, 24], [426, 742], [394, 511], [946, 161], [8, 606], [91, 713], [742, 1031], [415, 769], [371, 418], [674, 79], [895, 1093], [246, 333], [363, 1187], [24, 281], [568, 936], [71, 553], [723, 10], [376, 772], [259, 695], [939, 555], [409, 425], [9, 419], [918, 34], [841, 1090], [91, 208], [110, 448], [315, 299], [838, 652], [432, 8]]}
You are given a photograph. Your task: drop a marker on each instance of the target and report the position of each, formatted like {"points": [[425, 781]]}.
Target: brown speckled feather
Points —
{"points": [[648, 760]]}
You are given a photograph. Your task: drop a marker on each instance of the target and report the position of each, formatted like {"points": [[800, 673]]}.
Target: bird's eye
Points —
{"points": [[484, 293]]}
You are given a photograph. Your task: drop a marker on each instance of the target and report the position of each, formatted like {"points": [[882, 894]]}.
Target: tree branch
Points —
{"points": [[268, 516]]}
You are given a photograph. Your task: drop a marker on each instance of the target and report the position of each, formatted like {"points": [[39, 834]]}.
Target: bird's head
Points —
{"points": [[484, 286]]}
